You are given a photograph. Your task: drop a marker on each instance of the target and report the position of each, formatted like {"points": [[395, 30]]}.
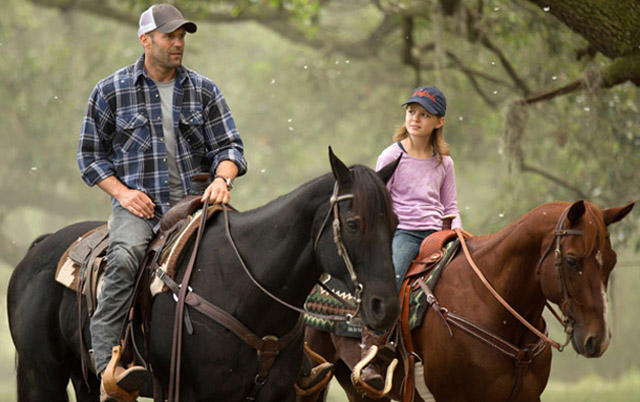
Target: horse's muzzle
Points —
{"points": [[380, 313], [591, 345]]}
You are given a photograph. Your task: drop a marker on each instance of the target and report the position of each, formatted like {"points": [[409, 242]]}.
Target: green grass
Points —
{"points": [[594, 388]]}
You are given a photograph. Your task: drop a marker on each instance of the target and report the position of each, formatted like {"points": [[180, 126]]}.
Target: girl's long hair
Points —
{"points": [[437, 141]]}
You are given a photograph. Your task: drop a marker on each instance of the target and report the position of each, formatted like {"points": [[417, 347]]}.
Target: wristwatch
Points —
{"points": [[227, 180]]}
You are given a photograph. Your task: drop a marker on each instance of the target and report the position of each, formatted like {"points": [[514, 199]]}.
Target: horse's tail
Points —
{"points": [[38, 240], [21, 381]]}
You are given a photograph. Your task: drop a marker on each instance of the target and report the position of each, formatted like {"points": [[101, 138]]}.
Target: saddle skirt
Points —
{"points": [[83, 264], [436, 251]]}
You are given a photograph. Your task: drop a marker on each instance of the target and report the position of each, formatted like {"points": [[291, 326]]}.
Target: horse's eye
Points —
{"points": [[353, 224], [572, 263]]}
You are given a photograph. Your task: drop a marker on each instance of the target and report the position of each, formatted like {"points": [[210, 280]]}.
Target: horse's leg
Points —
{"points": [[43, 361], [84, 394], [40, 383]]}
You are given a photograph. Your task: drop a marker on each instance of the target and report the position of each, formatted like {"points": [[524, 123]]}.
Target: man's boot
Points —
{"points": [[373, 374]]}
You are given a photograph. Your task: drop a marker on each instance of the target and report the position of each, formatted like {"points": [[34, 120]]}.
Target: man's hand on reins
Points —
{"points": [[217, 192]]}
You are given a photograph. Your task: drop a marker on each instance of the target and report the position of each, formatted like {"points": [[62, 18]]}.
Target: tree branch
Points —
{"points": [[476, 32], [531, 169]]}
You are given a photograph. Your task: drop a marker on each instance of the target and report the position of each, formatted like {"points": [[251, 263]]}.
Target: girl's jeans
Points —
{"points": [[406, 245]]}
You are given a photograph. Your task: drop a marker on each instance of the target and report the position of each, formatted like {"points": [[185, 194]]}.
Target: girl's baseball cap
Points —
{"points": [[430, 98]]}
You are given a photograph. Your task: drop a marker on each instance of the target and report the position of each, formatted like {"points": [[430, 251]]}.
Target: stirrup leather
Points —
{"points": [[363, 386]]}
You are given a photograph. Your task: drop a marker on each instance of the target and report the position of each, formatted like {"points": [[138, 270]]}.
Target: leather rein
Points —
{"points": [[268, 346]]}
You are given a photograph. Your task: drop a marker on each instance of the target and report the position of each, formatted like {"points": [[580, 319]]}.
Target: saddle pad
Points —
{"points": [[70, 264], [322, 302]]}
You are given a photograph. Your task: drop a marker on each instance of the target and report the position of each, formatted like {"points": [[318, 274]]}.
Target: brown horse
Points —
{"points": [[558, 252]]}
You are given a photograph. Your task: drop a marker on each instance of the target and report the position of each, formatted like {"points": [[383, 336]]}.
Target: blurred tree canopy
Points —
{"points": [[543, 97]]}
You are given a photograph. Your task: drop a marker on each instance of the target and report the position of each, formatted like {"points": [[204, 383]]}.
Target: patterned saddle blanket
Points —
{"points": [[321, 301]]}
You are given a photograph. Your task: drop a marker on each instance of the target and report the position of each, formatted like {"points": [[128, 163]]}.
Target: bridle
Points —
{"points": [[334, 202], [568, 321]]}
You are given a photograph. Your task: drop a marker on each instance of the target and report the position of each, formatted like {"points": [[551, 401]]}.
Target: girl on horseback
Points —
{"points": [[423, 192]]}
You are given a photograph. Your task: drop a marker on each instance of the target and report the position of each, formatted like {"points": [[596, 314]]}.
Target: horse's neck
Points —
{"points": [[283, 229], [509, 260]]}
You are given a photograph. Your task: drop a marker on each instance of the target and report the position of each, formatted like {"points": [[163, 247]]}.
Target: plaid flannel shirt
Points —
{"points": [[122, 132]]}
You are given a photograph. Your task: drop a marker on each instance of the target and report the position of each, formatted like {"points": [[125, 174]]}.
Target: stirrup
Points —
{"points": [[318, 378], [122, 386], [361, 386]]}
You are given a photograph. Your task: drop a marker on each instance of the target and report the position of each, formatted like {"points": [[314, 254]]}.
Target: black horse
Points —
{"points": [[285, 245]]}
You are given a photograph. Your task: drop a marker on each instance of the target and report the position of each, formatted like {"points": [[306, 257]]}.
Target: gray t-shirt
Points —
{"points": [[166, 101]]}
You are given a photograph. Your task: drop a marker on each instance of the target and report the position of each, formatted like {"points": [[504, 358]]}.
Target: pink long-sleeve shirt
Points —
{"points": [[422, 191]]}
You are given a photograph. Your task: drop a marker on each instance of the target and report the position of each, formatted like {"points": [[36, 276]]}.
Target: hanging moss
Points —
{"points": [[513, 132]]}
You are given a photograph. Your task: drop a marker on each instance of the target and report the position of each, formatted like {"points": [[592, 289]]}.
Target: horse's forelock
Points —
{"points": [[594, 229], [371, 199]]}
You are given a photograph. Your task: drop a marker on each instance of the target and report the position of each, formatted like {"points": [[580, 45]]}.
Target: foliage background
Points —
{"points": [[291, 100]]}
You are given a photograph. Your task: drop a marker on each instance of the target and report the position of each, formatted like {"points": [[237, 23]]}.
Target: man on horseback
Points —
{"points": [[148, 130]]}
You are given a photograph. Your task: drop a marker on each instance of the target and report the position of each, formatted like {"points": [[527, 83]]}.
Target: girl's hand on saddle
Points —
{"points": [[217, 192], [137, 202]]}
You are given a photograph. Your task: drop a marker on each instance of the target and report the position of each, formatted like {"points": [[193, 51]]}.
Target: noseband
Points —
{"points": [[568, 321]]}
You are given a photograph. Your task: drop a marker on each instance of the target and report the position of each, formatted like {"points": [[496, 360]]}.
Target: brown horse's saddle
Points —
{"points": [[82, 265], [435, 253]]}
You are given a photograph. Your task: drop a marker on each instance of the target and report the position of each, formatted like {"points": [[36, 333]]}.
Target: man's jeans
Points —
{"points": [[406, 245], [129, 237]]}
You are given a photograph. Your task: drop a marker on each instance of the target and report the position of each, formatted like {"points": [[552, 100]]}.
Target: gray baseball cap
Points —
{"points": [[164, 18]]}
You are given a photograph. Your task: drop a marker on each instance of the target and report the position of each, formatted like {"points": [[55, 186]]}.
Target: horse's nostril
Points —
{"points": [[590, 346], [377, 306]]}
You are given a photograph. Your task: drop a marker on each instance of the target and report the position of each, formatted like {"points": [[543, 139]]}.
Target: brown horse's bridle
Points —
{"points": [[568, 321]]}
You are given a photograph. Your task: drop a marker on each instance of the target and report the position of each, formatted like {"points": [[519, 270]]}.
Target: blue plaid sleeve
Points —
{"points": [[222, 139], [93, 150]]}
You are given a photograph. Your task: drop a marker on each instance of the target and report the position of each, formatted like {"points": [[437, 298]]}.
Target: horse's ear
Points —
{"points": [[339, 169], [613, 215], [576, 211], [387, 171]]}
